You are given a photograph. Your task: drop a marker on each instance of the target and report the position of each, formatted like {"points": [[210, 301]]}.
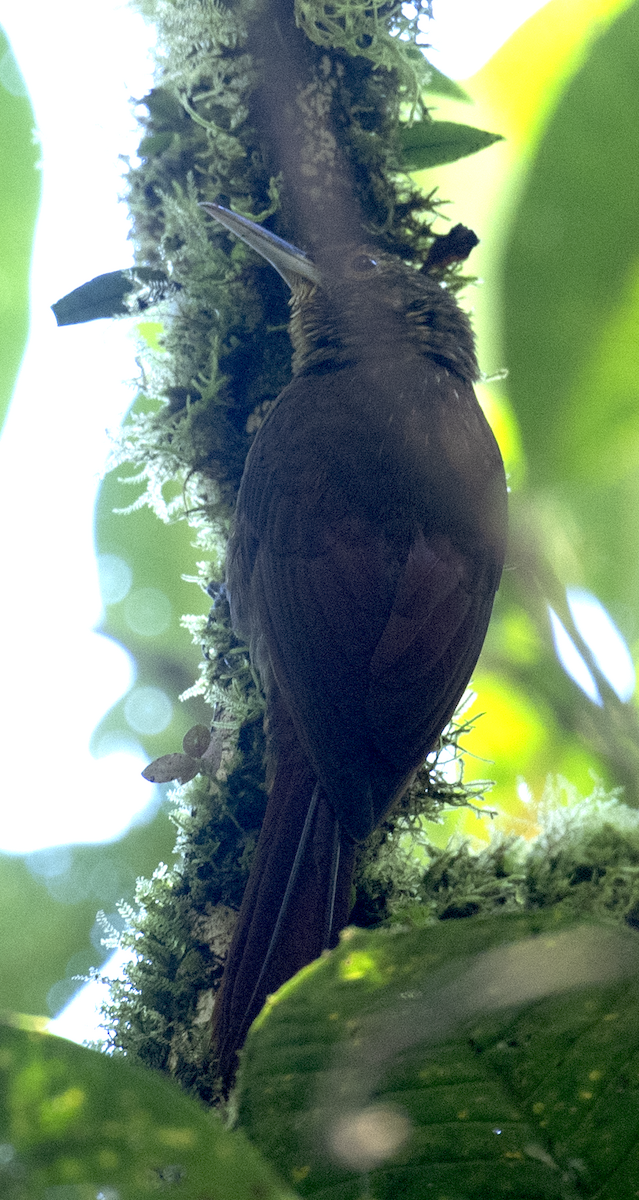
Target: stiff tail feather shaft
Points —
{"points": [[297, 899]]}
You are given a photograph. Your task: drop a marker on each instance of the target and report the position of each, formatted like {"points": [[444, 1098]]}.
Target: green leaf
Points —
{"points": [[76, 1125], [432, 143], [439, 84], [476, 1059], [570, 308], [20, 189], [571, 291]]}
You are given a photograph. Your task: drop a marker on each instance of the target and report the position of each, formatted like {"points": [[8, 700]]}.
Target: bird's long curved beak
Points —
{"points": [[288, 261]]}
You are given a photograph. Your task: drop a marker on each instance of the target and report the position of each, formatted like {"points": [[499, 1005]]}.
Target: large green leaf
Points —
{"points": [[20, 188], [76, 1125], [570, 274], [475, 1059], [570, 310]]}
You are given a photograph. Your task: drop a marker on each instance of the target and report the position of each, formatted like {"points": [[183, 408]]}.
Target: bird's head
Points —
{"points": [[357, 298]]}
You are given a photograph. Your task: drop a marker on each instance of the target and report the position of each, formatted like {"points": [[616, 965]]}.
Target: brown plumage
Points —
{"points": [[368, 545]]}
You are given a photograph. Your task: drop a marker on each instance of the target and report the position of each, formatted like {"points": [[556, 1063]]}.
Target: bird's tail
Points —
{"points": [[297, 898]]}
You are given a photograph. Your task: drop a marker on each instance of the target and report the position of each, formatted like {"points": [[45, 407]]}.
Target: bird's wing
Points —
{"points": [[370, 627], [371, 661], [430, 644]]}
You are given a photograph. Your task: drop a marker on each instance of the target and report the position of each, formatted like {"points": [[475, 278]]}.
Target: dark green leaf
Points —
{"points": [[476, 1059], [76, 1125], [111, 295], [432, 143]]}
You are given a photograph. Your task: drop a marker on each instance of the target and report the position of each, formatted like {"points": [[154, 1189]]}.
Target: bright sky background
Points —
{"points": [[82, 60], [81, 63], [466, 33]]}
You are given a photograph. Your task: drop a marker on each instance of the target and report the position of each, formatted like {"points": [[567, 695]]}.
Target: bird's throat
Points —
{"points": [[330, 328]]}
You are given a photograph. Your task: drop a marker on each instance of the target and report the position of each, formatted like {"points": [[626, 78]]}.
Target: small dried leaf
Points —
{"points": [[196, 741], [213, 755], [169, 767]]}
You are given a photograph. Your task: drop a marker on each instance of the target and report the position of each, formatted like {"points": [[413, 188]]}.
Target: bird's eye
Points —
{"points": [[363, 262]]}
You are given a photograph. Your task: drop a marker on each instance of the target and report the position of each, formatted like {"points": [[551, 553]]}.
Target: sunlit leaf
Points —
{"points": [[475, 1058], [573, 250], [521, 84], [81, 1125]]}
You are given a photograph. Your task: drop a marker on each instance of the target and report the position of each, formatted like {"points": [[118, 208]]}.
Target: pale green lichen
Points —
{"points": [[380, 32]]}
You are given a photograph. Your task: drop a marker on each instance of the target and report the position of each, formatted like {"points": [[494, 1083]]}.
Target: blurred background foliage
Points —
{"points": [[556, 305], [20, 187], [556, 208]]}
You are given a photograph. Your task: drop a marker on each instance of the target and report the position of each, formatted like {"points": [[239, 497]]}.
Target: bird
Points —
{"points": [[368, 544]]}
